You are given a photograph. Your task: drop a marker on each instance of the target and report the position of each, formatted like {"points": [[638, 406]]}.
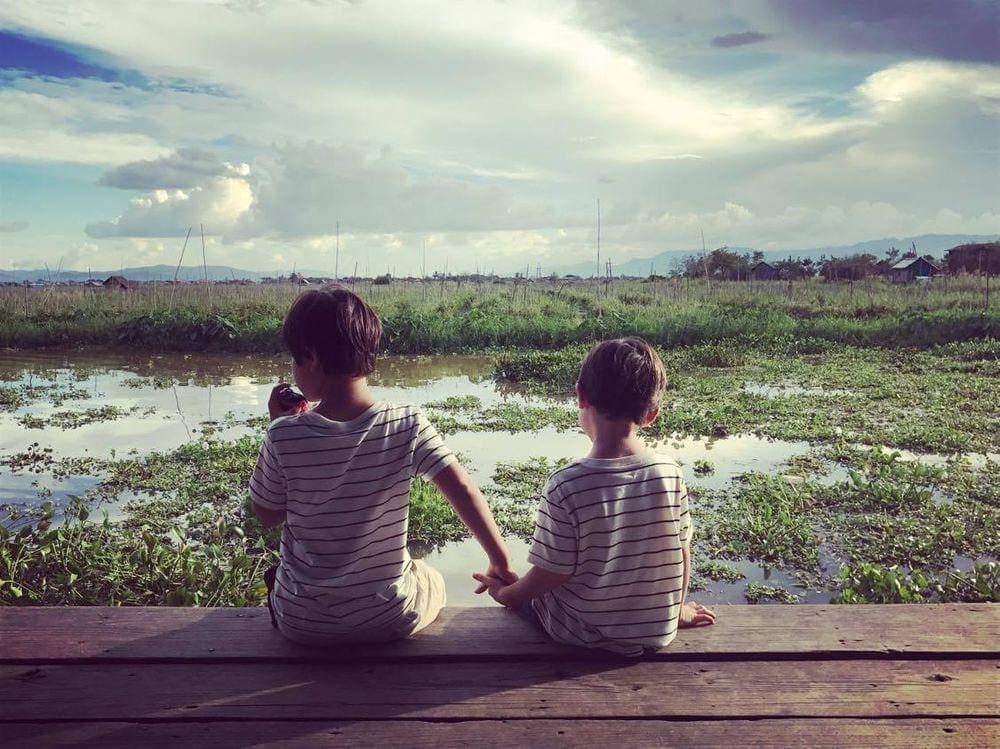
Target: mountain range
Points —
{"points": [[662, 263]]}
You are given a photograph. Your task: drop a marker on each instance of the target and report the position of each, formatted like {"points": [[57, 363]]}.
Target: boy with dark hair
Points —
{"points": [[611, 555], [337, 477]]}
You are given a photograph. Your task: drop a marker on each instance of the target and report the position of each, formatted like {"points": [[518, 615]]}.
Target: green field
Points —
{"points": [[440, 317]]}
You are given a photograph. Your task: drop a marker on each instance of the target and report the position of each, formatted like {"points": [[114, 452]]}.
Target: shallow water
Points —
{"points": [[171, 399]]}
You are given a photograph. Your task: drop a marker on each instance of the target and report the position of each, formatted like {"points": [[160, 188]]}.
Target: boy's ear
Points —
{"points": [[310, 360], [650, 416], [581, 399]]}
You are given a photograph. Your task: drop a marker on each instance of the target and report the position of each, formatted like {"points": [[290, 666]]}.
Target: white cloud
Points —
{"points": [[217, 204], [497, 128], [59, 123], [187, 167]]}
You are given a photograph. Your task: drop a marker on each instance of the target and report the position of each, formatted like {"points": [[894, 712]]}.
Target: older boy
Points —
{"points": [[611, 551], [338, 477]]}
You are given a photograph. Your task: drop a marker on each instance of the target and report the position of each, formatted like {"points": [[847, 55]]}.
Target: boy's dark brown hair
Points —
{"points": [[622, 378], [337, 326]]}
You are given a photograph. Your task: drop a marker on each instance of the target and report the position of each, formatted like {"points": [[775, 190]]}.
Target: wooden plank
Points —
{"points": [[442, 691], [55, 634], [966, 733]]}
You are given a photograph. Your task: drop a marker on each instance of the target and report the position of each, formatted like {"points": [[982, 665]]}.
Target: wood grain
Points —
{"points": [[966, 733], [78, 634], [452, 691]]}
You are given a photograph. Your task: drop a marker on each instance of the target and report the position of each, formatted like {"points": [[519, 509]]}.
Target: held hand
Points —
{"points": [[276, 407], [695, 615], [502, 572], [494, 585]]}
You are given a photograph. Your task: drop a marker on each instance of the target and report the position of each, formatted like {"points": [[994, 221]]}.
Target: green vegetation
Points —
{"points": [[939, 400], [703, 468], [871, 583], [191, 540], [431, 317], [756, 592], [74, 419], [859, 372], [503, 417], [718, 571]]}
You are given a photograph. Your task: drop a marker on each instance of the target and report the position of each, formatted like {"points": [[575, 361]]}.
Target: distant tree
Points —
{"points": [[851, 268], [794, 270], [721, 264]]}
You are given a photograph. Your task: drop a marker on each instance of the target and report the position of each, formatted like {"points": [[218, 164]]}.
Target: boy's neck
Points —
{"points": [[614, 439], [345, 398]]}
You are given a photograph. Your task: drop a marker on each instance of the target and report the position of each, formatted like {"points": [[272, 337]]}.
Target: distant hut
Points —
{"points": [[298, 279], [764, 272], [911, 268], [118, 282], [982, 258]]}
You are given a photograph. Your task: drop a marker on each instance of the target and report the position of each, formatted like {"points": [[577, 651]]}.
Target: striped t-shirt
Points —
{"points": [[344, 570], [616, 526]]}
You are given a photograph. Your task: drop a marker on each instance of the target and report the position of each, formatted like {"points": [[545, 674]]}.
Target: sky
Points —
{"points": [[423, 134]]}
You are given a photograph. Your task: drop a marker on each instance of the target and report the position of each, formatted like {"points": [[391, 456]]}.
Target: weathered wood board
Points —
{"points": [[39, 634]]}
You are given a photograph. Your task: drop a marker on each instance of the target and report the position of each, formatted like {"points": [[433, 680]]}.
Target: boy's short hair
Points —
{"points": [[337, 327], [622, 378]]}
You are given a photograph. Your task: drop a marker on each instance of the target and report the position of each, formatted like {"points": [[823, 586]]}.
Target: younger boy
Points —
{"points": [[611, 550], [337, 477]]}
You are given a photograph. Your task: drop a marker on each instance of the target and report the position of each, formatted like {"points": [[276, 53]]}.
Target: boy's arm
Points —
{"points": [[458, 488], [536, 582], [691, 614], [268, 481], [686, 553]]}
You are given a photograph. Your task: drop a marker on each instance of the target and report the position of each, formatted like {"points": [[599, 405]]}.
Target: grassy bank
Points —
{"points": [[443, 318]]}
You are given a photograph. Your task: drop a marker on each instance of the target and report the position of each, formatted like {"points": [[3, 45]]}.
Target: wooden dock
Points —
{"points": [[925, 675]]}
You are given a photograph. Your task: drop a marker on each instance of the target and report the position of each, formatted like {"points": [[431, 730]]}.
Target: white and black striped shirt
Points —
{"points": [[344, 487], [616, 527]]}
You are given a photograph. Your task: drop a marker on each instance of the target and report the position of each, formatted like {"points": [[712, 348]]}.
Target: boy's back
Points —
{"points": [[344, 487], [615, 526]]}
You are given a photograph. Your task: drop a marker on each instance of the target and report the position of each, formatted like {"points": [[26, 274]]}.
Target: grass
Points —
{"points": [[417, 318]]}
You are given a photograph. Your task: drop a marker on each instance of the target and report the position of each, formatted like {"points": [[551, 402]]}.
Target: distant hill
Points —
{"points": [[663, 263], [145, 273], [668, 260]]}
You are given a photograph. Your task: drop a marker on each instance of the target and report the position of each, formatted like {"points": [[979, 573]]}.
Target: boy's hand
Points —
{"points": [[695, 615], [494, 585], [501, 572], [276, 407]]}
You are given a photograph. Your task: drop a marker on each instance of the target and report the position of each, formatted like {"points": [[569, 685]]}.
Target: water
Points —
{"points": [[170, 399]]}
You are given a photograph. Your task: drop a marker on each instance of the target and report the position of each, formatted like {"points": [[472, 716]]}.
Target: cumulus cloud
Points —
{"points": [[168, 213], [13, 226], [303, 191], [186, 167], [306, 189]]}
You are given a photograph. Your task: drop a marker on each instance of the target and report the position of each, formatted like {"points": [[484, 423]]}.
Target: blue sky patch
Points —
{"points": [[43, 57]]}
